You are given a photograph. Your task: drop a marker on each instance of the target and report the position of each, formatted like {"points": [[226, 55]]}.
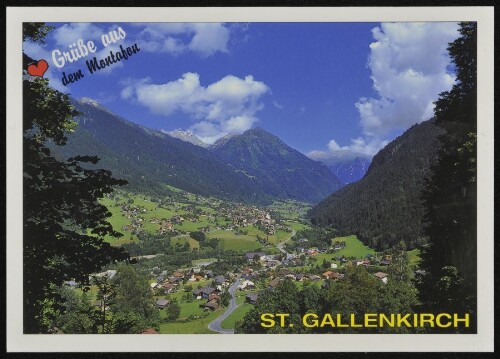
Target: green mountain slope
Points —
{"points": [[280, 170], [385, 206], [149, 159]]}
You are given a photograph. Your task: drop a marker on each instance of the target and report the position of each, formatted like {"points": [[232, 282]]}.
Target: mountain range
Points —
{"points": [[346, 165], [252, 167], [187, 136]]}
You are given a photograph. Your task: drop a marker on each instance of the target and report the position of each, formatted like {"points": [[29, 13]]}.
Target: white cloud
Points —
{"points": [[175, 38], [368, 146], [408, 63], [70, 33], [226, 106]]}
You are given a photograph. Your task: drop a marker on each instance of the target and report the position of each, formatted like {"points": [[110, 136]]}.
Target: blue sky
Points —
{"points": [[321, 87]]}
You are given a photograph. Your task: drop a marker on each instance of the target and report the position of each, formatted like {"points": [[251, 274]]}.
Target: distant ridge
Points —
{"points": [[348, 166], [187, 136]]}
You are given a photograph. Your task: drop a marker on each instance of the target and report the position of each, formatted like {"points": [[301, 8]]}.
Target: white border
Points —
{"points": [[483, 341]]}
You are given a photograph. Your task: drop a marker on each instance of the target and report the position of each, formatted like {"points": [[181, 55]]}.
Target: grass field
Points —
{"points": [[199, 326], [240, 244], [238, 315], [193, 243], [297, 225], [290, 209], [354, 248], [232, 241]]}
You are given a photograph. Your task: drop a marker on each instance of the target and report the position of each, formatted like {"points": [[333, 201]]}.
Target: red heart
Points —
{"points": [[38, 69]]}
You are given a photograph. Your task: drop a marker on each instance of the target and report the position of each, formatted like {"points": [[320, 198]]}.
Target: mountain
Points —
{"points": [[280, 170], [149, 159], [187, 136], [348, 166], [385, 206]]}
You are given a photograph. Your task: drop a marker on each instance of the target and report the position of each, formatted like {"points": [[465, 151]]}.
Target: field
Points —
{"points": [[290, 209], [354, 248], [193, 243], [240, 244], [199, 326], [239, 313], [183, 206]]}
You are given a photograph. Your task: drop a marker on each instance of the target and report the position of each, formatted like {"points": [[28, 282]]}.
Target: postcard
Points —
{"points": [[313, 179]]}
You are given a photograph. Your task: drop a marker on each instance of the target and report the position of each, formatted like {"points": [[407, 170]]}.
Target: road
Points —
{"points": [[281, 245], [215, 325]]}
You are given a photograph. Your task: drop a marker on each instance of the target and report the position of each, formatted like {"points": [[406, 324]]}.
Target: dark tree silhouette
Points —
{"points": [[449, 261], [64, 224]]}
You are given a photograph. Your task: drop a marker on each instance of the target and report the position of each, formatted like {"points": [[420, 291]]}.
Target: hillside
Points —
{"points": [[385, 206], [280, 170], [149, 159]]}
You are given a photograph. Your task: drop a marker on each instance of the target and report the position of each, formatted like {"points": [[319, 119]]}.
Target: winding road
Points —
{"points": [[281, 245], [215, 324]]}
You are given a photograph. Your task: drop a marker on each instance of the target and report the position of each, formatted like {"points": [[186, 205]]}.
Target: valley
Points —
{"points": [[187, 242]]}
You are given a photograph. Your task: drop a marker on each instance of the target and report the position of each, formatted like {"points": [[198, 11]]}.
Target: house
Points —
{"points": [[153, 285], [178, 274], [271, 263], [363, 262], [247, 271], [333, 275], [174, 281], [220, 280], [246, 284], [206, 291], [212, 305], [382, 276], [209, 274], [150, 331], [300, 277], [251, 298], [213, 297], [251, 255], [162, 303], [197, 293], [274, 283], [168, 287], [333, 265]]}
